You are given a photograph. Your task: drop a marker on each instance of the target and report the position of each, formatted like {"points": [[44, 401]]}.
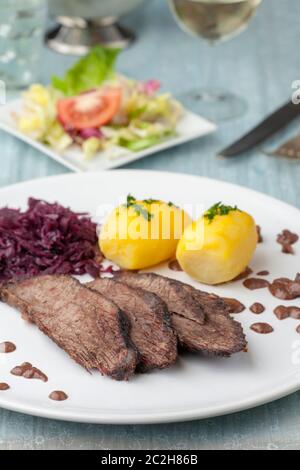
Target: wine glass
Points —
{"points": [[214, 21]]}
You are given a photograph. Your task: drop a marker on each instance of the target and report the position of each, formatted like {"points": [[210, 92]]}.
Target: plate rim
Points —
{"points": [[151, 418], [282, 390], [167, 173]]}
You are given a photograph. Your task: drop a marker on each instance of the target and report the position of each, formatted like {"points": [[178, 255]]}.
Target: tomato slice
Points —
{"points": [[89, 110]]}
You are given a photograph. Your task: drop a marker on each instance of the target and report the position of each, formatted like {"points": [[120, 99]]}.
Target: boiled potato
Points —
{"points": [[219, 246], [144, 233]]}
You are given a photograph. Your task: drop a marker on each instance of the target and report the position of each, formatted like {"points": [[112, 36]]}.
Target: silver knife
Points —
{"points": [[269, 126]]}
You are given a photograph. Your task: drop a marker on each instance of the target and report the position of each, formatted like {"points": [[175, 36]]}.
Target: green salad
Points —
{"points": [[94, 107]]}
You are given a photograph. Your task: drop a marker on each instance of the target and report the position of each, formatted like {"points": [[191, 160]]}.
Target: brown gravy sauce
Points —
{"points": [[7, 347], [246, 273], [263, 273], [58, 395], [174, 265], [262, 328], [288, 249], [283, 312], [286, 239], [234, 305], [257, 308], [28, 371], [259, 235], [285, 289], [3, 387], [254, 283]]}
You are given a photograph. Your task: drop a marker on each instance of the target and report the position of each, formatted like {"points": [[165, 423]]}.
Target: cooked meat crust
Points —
{"points": [[150, 321], [218, 334], [177, 298], [88, 326]]}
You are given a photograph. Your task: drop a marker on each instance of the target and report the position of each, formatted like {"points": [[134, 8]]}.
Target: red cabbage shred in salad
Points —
{"points": [[46, 239]]}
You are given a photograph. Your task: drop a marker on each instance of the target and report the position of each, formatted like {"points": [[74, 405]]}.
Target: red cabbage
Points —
{"points": [[46, 239], [150, 87], [90, 132]]}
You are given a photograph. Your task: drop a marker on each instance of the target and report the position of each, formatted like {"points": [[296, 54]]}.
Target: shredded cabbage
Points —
{"points": [[91, 146], [39, 120]]}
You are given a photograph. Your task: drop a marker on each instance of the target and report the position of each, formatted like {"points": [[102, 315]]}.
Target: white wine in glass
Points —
{"points": [[213, 21]]}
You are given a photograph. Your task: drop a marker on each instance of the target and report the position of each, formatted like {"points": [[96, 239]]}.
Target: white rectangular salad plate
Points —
{"points": [[190, 127]]}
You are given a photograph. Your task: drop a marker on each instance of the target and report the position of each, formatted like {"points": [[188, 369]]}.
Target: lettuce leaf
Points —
{"points": [[89, 72], [140, 143]]}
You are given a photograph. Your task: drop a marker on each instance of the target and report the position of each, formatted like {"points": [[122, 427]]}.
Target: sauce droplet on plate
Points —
{"points": [[4, 386], [283, 312], [262, 328], [257, 308], [286, 239], [254, 283], [58, 395], [234, 305], [7, 347], [27, 371], [259, 235], [246, 273], [174, 265], [285, 289], [263, 273]]}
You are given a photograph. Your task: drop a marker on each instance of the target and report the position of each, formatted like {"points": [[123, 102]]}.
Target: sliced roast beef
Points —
{"points": [[150, 321], [172, 292], [219, 334], [88, 326]]}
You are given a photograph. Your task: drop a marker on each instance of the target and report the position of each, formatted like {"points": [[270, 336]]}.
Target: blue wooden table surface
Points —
{"points": [[261, 65]]}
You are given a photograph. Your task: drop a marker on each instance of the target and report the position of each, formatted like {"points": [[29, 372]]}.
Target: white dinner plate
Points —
{"points": [[191, 126], [196, 387]]}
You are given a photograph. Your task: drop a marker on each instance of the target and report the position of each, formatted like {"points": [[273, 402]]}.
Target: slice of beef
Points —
{"points": [[150, 321], [219, 334], [169, 290], [89, 327]]}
